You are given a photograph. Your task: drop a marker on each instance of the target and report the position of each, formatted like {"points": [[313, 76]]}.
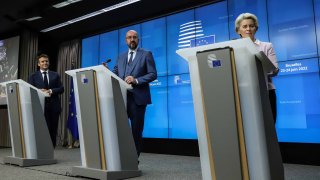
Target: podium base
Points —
{"points": [[104, 174], [28, 162]]}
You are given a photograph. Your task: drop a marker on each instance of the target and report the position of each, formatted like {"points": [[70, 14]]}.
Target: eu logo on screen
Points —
{"points": [[191, 34], [203, 41]]}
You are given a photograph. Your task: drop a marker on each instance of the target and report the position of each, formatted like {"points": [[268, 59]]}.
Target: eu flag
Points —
{"points": [[72, 124], [216, 63], [204, 40]]}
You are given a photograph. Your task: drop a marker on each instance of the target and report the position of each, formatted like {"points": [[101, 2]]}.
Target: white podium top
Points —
{"points": [[27, 85], [100, 68], [246, 43]]}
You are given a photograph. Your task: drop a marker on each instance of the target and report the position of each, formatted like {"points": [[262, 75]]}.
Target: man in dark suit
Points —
{"points": [[136, 67], [49, 82]]}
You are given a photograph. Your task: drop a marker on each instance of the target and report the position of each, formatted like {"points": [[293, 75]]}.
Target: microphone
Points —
{"points": [[105, 63]]}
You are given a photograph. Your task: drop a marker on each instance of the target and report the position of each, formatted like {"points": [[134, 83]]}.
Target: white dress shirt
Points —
{"points": [[133, 55], [43, 74]]}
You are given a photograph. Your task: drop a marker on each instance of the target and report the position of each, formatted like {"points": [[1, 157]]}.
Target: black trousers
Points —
{"points": [[136, 115], [52, 119], [273, 103]]}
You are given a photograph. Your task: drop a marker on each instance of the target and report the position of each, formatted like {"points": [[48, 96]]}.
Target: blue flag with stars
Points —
{"points": [[72, 123]]}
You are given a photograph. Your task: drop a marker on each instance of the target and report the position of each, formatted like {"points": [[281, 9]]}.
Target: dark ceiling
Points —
{"points": [[14, 12]]}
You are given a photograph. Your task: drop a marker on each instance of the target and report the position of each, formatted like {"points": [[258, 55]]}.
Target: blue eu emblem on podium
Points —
{"points": [[84, 79], [216, 63], [10, 89], [213, 61]]}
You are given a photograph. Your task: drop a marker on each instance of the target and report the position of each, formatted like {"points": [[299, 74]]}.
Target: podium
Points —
{"points": [[106, 143], [235, 127], [30, 139]]}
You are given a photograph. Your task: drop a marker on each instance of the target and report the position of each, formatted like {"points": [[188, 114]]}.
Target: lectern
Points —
{"points": [[106, 142], [235, 127], [30, 139]]}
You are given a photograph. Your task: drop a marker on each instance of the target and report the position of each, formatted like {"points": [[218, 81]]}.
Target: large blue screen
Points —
{"points": [[90, 51], [180, 108], [180, 34], [156, 122], [214, 27], [298, 90], [293, 26], [109, 48], [292, 29], [317, 14], [154, 37]]}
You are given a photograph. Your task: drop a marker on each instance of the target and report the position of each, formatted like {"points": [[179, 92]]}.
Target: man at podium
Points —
{"points": [[136, 67], [49, 82], [246, 26]]}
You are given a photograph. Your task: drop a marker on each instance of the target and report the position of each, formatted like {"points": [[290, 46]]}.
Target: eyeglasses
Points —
{"points": [[132, 37]]}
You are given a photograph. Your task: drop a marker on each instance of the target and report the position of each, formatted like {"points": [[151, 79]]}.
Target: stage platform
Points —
{"points": [[153, 167]]}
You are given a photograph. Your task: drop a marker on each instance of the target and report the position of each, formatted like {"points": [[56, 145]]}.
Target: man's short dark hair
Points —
{"points": [[42, 56]]}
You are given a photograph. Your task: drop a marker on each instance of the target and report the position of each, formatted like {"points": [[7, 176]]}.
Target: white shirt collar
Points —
{"points": [[134, 51], [44, 71], [257, 42]]}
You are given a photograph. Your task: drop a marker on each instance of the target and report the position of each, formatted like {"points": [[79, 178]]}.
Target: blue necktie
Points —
{"points": [[45, 80], [130, 59]]}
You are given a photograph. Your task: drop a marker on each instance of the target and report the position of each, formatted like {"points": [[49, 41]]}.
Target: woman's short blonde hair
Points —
{"points": [[244, 16]]}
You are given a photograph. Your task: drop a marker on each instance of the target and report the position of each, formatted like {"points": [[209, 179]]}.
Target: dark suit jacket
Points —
{"points": [[144, 70], [54, 84]]}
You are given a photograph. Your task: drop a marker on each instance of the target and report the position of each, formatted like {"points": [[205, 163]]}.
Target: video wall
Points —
{"points": [[9, 54], [296, 39]]}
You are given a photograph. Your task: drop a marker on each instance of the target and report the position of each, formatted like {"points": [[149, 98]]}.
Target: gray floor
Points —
{"points": [[153, 166]]}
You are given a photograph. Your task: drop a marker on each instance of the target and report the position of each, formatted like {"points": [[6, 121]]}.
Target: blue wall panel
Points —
{"points": [[154, 38], [178, 26], [214, 23], [156, 120], [109, 48], [292, 29], [180, 108], [298, 91], [90, 51], [317, 18]]}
